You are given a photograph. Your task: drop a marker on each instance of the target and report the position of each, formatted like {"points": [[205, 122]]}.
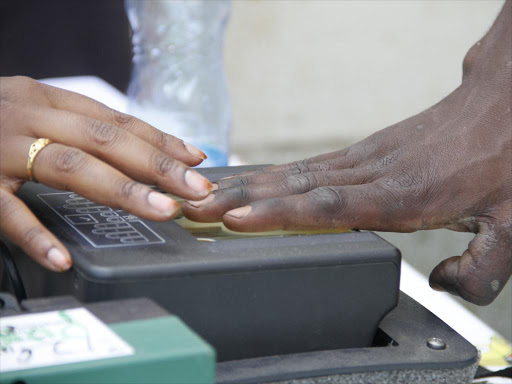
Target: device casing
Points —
{"points": [[167, 351], [248, 297]]}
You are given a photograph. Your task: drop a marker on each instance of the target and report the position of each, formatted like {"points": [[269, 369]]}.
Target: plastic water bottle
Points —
{"points": [[178, 82]]}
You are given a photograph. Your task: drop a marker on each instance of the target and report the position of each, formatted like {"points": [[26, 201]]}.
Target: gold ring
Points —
{"points": [[32, 153]]}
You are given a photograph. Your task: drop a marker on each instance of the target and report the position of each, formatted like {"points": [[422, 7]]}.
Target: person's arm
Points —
{"points": [[97, 152], [448, 167]]}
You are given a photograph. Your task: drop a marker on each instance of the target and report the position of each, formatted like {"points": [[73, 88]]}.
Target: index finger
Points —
{"points": [[75, 102], [347, 207]]}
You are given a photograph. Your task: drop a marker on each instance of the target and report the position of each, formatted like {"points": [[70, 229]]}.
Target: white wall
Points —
{"points": [[307, 75]]}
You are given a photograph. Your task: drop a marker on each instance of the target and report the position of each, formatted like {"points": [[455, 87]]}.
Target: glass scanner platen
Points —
{"points": [[211, 232]]}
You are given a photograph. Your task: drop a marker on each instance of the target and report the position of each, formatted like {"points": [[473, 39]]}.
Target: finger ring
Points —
{"points": [[32, 153]]}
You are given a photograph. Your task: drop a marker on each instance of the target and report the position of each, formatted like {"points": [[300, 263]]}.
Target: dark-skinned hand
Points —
{"points": [[102, 154], [448, 167]]}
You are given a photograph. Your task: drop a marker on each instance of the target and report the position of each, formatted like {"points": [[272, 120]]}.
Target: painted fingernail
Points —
{"points": [[215, 186], [165, 205], [194, 151], [197, 182], [58, 259], [437, 288], [200, 203], [240, 212]]}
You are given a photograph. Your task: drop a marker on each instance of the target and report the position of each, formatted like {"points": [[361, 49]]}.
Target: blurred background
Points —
{"points": [[311, 76], [306, 77]]}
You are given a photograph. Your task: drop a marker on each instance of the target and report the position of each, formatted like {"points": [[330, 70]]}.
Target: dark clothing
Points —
{"points": [[54, 38]]}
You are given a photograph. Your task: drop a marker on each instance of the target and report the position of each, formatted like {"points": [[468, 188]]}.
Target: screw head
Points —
{"points": [[436, 343]]}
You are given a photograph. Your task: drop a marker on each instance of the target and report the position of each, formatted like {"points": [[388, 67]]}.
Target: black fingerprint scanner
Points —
{"points": [[249, 296]]}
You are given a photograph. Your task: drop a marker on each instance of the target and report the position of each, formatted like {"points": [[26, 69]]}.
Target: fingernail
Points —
{"points": [[200, 203], [58, 259], [194, 151], [437, 288], [197, 182], [165, 205], [215, 186], [240, 212]]}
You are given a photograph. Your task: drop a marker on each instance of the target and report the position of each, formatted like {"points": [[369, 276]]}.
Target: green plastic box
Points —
{"points": [[166, 351]]}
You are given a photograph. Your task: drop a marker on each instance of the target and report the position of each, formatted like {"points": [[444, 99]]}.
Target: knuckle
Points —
{"points": [[126, 188], [120, 119], [242, 193], [385, 161], [163, 139], [103, 133], [70, 160], [299, 167], [164, 165], [244, 180], [329, 201], [301, 183], [323, 166]]}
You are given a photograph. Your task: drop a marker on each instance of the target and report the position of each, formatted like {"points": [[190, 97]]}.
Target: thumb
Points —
{"points": [[482, 271]]}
